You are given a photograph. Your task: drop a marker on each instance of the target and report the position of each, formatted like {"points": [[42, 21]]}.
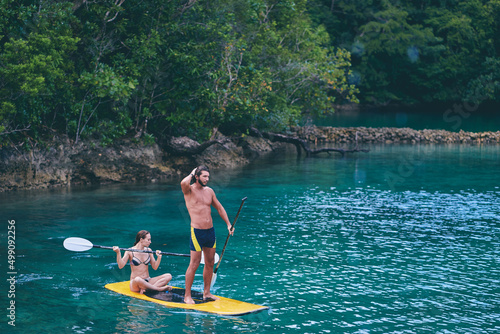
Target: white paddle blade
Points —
{"points": [[77, 244], [214, 278], [216, 258]]}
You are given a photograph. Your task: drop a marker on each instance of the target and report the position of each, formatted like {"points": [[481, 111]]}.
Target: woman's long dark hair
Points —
{"points": [[140, 235]]}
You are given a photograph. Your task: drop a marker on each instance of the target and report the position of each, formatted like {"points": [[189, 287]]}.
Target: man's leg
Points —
{"points": [[208, 272], [190, 272]]}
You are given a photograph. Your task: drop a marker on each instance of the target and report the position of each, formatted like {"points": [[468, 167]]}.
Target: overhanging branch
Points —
{"points": [[301, 143]]}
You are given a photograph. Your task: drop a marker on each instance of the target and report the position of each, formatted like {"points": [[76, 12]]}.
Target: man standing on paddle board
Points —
{"points": [[199, 199]]}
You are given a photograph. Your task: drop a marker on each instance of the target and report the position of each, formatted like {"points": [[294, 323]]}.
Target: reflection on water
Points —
{"points": [[143, 317]]}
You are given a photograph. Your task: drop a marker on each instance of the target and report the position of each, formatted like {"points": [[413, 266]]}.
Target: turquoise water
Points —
{"points": [[450, 117], [404, 239]]}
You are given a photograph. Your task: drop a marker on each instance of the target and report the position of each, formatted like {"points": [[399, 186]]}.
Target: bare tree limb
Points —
{"points": [[17, 129], [302, 144], [117, 3]]}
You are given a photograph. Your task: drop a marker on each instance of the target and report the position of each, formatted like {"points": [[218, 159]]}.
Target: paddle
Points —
{"points": [[214, 275], [81, 245]]}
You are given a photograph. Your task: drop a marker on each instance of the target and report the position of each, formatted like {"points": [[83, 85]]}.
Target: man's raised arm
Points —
{"points": [[186, 182]]}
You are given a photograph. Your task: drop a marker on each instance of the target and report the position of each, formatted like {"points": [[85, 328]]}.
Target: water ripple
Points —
{"points": [[382, 261]]}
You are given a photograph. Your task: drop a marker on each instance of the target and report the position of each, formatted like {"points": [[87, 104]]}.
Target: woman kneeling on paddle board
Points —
{"points": [[140, 280]]}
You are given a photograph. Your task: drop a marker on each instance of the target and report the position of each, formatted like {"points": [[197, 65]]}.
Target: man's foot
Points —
{"points": [[210, 297], [188, 300]]}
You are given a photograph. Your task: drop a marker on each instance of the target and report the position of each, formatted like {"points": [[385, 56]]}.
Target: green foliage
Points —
{"points": [[279, 68], [152, 68], [105, 82], [487, 85], [410, 52], [35, 68], [107, 69], [155, 68], [106, 92]]}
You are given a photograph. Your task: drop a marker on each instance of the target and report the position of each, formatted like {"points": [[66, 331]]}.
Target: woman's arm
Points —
{"points": [[155, 263], [122, 261]]}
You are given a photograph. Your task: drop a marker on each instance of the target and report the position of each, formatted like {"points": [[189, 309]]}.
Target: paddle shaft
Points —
{"points": [[142, 251], [228, 235]]}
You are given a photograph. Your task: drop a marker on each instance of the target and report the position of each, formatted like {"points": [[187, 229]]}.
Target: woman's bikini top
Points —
{"points": [[137, 262]]}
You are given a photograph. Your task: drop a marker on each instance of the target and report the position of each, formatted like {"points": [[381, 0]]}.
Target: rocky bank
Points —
{"points": [[392, 135], [62, 163]]}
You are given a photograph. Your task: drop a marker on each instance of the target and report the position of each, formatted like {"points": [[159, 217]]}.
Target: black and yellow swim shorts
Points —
{"points": [[202, 238]]}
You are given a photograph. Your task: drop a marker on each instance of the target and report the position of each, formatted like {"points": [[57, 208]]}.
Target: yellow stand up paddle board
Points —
{"points": [[175, 299]]}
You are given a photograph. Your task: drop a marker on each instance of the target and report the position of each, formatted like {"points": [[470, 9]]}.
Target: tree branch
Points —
{"points": [[15, 130], [301, 143]]}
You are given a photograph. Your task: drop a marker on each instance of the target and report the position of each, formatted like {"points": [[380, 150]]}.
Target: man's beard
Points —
{"points": [[201, 183]]}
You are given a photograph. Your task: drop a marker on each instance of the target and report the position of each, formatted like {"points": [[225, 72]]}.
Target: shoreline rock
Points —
{"points": [[392, 135], [64, 164], [88, 163]]}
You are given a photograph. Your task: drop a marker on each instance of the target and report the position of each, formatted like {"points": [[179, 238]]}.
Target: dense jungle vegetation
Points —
{"points": [[152, 68]]}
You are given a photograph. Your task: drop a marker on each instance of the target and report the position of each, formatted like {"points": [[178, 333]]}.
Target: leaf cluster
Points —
{"points": [[113, 68], [411, 52]]}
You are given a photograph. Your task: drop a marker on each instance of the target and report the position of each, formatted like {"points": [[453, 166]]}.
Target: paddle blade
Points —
{"points": [[216, 258], [214, 278], [77, 244]]}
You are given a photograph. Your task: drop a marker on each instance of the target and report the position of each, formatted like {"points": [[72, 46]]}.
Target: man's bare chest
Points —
{"points": [[201, 198]]}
